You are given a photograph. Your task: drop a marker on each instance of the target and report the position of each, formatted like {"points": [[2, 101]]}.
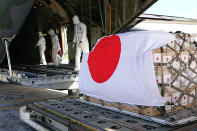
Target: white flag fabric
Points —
{"points": [[120, 68]]}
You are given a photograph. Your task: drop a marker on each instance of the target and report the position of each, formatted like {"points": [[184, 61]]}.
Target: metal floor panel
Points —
{"points": [[12, 96], [97, 117]]}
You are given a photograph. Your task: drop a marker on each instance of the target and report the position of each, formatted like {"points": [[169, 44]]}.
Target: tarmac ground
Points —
{"points": [[10, 121]]}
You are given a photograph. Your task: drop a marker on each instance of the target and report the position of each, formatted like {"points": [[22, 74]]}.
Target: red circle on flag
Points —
{"points": [[103, 60], [167, 59]]}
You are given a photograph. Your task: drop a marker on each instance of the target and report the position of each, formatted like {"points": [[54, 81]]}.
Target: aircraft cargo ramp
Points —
{"points": [[52, 77]]}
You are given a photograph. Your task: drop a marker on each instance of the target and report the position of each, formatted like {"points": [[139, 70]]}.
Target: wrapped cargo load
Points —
{"points": [[176, 76]]}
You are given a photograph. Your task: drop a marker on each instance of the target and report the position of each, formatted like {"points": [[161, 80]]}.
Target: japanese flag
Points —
{"points": [[120, 68]]}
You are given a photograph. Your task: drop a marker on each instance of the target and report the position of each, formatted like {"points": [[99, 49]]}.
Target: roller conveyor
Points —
{"points": [[75, 114]]}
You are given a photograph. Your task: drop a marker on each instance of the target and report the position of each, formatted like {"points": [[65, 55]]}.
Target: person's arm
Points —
{"points": [[39, 42], [84, 32]]}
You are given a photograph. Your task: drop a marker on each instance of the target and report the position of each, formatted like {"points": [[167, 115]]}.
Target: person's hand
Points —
{"points": [[80, 44], [73, 45]]}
